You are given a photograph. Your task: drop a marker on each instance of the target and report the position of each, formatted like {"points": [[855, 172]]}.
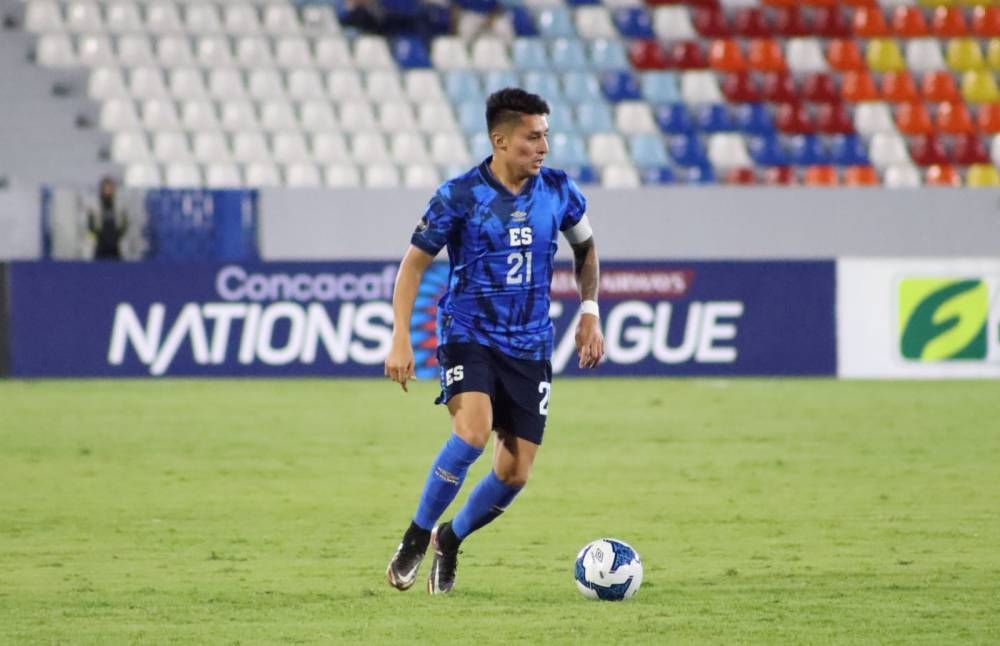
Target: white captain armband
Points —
{"points": [[579, 232], [590, 307]]}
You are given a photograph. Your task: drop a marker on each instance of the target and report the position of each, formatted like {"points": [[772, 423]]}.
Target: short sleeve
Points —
{"points": [[576, 206], [436, 225]]}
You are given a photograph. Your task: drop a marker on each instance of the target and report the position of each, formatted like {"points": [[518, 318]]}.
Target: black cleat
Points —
{"points": [[442, 576], [402, 569]]}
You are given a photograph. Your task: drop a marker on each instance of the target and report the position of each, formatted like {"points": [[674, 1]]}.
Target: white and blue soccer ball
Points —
{"points": [[608, 569]]}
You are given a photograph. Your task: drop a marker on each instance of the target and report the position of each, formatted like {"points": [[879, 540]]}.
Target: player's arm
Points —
{"points": [[399, 365], [587, 267]]}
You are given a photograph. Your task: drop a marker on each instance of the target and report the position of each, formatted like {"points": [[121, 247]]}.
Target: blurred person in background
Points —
{"points": [[108, 225], [473, 18]]}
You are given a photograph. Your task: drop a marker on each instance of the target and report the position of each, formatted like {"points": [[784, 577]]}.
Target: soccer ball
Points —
{"points": [[608, 569]]}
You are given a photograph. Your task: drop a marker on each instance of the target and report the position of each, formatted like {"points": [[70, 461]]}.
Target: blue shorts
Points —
{"points": [[518, 388]]}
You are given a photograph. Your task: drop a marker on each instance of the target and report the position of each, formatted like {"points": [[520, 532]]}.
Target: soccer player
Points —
{"points": [[500, 222]]}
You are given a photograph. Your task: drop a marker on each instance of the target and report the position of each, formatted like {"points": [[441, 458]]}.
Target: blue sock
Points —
{"points": [[444, 480], [487, 501]]}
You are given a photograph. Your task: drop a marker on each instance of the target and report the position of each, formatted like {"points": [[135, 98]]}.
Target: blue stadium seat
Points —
{"points": [[660, 87], [498, 79], [687, 150], [606, 54], [701, 173], [807, 150], [524, 22], [648, 150], [569, 54], [752, 118], [555, 22], [620, 85], [674, 119], [657, 175], [766, 150], [529, 54], [410, 52], [544, 84], [633, 22], [581, 3], [593, 117], [567, 149], [582, 173], [561, 117], [462, 85], [579, 87], [470, 116], [713, 117], [848, 150]]}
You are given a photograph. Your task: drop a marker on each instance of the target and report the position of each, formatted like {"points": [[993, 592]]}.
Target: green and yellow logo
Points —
{"points": [[942, 319]]}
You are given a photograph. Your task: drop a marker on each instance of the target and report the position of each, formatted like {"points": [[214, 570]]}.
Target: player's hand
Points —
{"points": [[399, 365], [589, 341]]}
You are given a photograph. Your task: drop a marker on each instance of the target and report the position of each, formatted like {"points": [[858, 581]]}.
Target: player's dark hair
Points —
{"points": [[507, 106]]}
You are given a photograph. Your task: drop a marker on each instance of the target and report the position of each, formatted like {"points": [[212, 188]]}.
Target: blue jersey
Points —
{"points": [[501, 247]]}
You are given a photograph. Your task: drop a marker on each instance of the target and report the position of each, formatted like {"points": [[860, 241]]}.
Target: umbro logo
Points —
{"points": [[518, 216]]}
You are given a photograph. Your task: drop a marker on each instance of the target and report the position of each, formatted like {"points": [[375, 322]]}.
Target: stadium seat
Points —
{"points": [[200, 18], [357, 116], [332, 52], [396, 116], [182, 175], [95, 51], [169, 147], [953, 118], [659, 87], [995, 149], [857, 86], [928, 150], [820, 87], [710, 22], [210, 147], [594, 117], [292, 53], [147, 83], [619, 86], [163, 18], [567, 54], [330, 148], [408, 148], [942, 175], [968, 149], [938, 86], [830, 22], [302, 175], [555, 22], [924, 55], [222, 175], [55, 50], [986, 21], [674, 119], [213, 52], [726, 55], [751, 22], [594, 22], [780, 176], [130, 147], [567, 150], [767, 150], [700, 86], [805, 55], [607, 54], [788, 21], [122, 17], [342, 176], [143, 175], [848, 150], [280, 19], [450, 149], [345, 85], [369, 148], [436, 116], [869, 22], [713, 117], [909, 22], [843, 55], [807, 150], [833, 119], [239, 18], [859, 176], [648, 150], [118, 114], [371, 52], [498, 79], [634, 117], [633, 22], [988, 118], [249, 148], [198, 115], [821, 175], [980, 87], [381, 175], [43, 16], [687, 150], [580, 87], [607, 148], [794, 118], [489, 53], [159, 115], [383, 85], [887, 149], [765, 55], [964, 55], [278, 115], [620, 175], [238, 115], [902, 175], [544, 84], [949, 22], [982, 176], [647, 55], [262, 174], [135, 50], [873, 117], [913, 119], [253, 52], [265, 85], [883, 55], [420, 176], [728, 151], [899, 87], [752, 118], [673, 23]]}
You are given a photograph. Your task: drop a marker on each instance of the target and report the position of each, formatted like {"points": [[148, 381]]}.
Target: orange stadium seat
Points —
{"points": [[988, 118], [986, 21], [765, 55], [725, 55], [949, 22], [953, 118], [821, 175], [939, 86], [899, 87], [861, 176], [869, 22], [857, 86], [942, 175], [843, 54], [909, 22], [913, 119]]}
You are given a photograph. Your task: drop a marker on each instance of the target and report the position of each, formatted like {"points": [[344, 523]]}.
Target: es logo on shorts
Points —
{"points": [[451, 375]]}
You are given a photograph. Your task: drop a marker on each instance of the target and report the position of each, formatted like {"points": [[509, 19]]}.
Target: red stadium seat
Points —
{"points": [[843, 54], [794, 119], [913, 119], [927, 150], [909, 22], [937, 86], [899, 87], [821, 175], [779, 87], [751, 22], [949, 22], [858, 86], [861, 176], [820, 87], [830, 22], [986, 21], [740, 87], [942, 175], [687, 55], [765, 55], [780, 176], [869, 22], [725, 55], [710, 22], [790, 22], [741, 177], [953, 119], [988, 118], [969, 149], [647, 55], [834, 119]]}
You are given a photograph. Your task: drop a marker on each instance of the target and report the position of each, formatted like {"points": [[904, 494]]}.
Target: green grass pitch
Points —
{"points": [[766, 512]]}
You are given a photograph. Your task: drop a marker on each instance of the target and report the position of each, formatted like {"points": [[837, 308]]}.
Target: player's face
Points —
{"points": [[525, 145]]}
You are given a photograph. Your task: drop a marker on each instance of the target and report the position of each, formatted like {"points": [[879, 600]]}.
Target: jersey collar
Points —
{"points": [[490, 178]]}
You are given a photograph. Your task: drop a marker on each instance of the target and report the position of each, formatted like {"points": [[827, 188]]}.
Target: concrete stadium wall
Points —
{"points": [[669, 222]]}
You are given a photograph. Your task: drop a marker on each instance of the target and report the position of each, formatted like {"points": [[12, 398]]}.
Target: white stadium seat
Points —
{"points": [[619, 175], [43, 16], [421, 176], [292, 52], [163, 18], [290, 148], [171, 147], [381, 175], [607, 148], [186, 83], [634, 117], [317, 116], [147, 83], [344, 85], [449, 53], [423, 85], [383, 85], [330, 148], [280, 19], [225, 83], [55, 50], [222, 175], [83, 16], [95, 50], [107, 83], [143, 175], [305, 84], [182, 175], [174, 51], [250, 147], [240, 18], [357, 116], [210, 147], [369, 148], [261, 174], [160, 114], [238, 115], [449, 148], [408, 148], [130, 146], [119, 114], [136, 50], [396, 116], [264, 84], [253, 52], [123, 17], [202, 18], [214, 52], [489, 53], [728, 150], [199, 115], [436, 117], [372, 53], [342, 176], [332, 52], [302, 175]]}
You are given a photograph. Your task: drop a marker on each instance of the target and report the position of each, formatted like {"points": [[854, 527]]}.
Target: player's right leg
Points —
{"points": [[472, 419]]}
